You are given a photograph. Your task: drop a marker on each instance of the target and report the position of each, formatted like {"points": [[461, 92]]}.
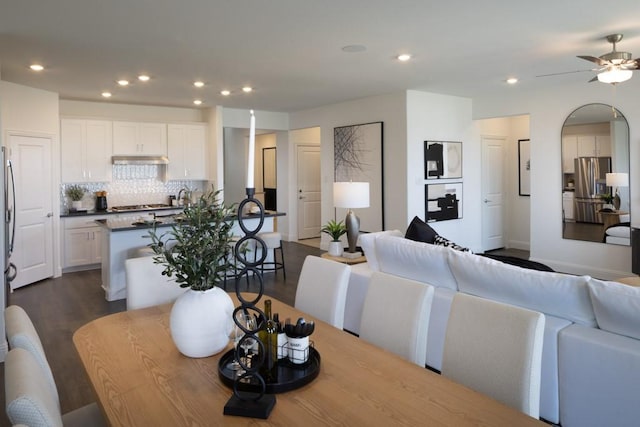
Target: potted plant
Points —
{"points": [[608, 200], [196, 253], [75, 193], [335, 230]]}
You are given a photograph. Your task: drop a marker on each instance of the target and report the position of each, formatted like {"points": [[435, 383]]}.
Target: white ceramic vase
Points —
{"points": [[76, 204], [335, 248], [201, 322]]}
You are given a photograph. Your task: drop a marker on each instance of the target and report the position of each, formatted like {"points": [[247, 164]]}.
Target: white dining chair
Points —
{"points": [[22, 334], [29, 399], [396, 314], [322, 289], [495, 349], [146, 286]]}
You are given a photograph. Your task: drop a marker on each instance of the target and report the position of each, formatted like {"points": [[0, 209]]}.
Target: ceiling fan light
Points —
{"points": [[615, 75]]}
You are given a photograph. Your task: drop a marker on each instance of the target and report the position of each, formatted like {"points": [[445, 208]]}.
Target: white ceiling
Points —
{"points": [[290, 50]]}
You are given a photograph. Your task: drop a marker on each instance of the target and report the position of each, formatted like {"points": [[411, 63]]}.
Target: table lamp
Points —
{"points": [[617, 180], [351, 195]]}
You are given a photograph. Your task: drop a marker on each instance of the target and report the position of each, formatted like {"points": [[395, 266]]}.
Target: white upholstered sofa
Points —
{"points": [[591, 354]]}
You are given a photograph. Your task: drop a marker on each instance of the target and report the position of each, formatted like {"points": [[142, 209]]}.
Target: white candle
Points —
{"points": [[252, 149]]}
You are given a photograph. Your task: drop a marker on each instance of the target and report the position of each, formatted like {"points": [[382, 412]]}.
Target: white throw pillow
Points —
{"points": [[558, 294], [617, 307], [413, 260], [619, 232], [368, 244]]}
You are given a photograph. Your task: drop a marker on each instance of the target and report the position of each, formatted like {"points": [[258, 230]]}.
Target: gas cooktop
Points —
{"points": [[150, 206]]}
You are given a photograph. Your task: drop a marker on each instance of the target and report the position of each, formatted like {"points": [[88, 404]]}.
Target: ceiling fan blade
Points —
{"points": [[594, 59], [563, 72]]}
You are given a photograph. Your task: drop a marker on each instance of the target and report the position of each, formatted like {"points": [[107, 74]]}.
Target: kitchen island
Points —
{"points": [[124, 237]]}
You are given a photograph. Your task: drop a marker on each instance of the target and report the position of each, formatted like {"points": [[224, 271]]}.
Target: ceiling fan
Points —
{"points": [[615, 66]]}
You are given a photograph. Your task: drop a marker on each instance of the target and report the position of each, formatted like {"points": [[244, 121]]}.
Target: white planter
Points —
{"points": [[201, 322], [76, 204], [335, 248]]}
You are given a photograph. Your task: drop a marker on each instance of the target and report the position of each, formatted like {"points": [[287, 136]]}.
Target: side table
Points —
{"points": [[344, 260]]}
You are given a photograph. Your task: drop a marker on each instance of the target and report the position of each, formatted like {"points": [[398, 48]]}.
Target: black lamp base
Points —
{"points": [[260, 408]]}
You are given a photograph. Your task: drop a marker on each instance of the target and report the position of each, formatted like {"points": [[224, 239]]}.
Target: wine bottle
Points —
{"points": [[270, 343]]}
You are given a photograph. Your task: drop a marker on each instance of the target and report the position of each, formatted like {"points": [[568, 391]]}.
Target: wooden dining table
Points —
{"points": [[140, 379]]}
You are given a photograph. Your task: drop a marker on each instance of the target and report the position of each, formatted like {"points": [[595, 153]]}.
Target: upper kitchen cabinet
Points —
{"points": [[85, 150], [139, 139], [594, 146], [187, 152]]}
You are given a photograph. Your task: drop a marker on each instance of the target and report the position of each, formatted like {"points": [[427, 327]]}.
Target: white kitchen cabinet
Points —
{"points": [[569, 153], [139, 139], [594, 146], [603, 145], [82, 241], [85, 150], [187, 144], [567, 205]]}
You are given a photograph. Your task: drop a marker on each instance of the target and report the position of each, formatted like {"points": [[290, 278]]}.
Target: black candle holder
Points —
{"points": [[255, 404]]}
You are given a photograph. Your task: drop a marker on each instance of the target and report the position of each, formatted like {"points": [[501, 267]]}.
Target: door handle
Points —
{"points": [[50, 214], [301, 197], [487, 200]]}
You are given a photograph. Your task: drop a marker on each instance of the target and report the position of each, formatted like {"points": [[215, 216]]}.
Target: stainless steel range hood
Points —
{"points": [[139, 160]]}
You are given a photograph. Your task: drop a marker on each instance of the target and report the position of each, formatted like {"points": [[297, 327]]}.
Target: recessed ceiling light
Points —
{"points": [[197, 102], [36, 67], [512, 80], [354, 48], [143, 78], [123, 82], [198, 83], [247, 89], [404, 57], [106, 94], [225, 92]]}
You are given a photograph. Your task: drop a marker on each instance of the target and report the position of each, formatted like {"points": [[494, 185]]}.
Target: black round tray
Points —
{"points": [[290, 376]]}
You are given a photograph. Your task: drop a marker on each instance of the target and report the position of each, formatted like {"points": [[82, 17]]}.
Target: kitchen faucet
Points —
{"points": [[187, 195]]}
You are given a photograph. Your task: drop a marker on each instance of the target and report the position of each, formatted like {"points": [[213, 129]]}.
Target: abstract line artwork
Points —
{"points": [[357, 155]]}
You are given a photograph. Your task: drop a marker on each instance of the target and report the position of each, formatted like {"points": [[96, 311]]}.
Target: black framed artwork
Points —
{"points": [[357, 157], [442, 160], [524, 167], [443, 201]]}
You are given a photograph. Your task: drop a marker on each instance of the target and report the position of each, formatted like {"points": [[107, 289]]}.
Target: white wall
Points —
{"points": [[390, 109], [547, 111], [143, 113], [33, 112], [434, 117], [239, 118]]}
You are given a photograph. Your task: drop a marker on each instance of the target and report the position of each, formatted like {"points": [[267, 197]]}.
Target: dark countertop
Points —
{"points": [[126, 224], [93, 212]]}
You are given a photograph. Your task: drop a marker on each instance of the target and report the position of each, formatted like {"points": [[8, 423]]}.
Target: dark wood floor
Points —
{"points": [[58, 307]]}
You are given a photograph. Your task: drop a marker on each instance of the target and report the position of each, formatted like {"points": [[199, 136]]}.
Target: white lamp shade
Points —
{"points": [[617, 180], [351, 195], [615, 75]]}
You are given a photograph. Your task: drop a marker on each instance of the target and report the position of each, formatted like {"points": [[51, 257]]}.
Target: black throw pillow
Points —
{"points": [[420, 231]]}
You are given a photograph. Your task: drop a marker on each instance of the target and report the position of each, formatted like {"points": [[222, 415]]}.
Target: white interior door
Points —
{"points": [[493, 193], [33, 247], [308, 191]]}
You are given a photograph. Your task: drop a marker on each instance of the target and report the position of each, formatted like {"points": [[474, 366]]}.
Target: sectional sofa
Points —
{"points": [[591, 355]]}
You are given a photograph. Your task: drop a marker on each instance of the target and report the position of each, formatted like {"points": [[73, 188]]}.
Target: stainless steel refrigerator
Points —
{"points": [[590, 179]]}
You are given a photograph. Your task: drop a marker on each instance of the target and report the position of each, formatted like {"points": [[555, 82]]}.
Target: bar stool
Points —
{"points": [[273, 241], [231, 257]]}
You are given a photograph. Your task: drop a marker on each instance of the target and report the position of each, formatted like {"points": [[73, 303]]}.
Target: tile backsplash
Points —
{"points": [[132, 185]]}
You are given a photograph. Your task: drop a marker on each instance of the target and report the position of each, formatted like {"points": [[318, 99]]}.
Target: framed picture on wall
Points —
{"points": [[443, 201], [442, 160], [357, 156], [524, 167]]}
